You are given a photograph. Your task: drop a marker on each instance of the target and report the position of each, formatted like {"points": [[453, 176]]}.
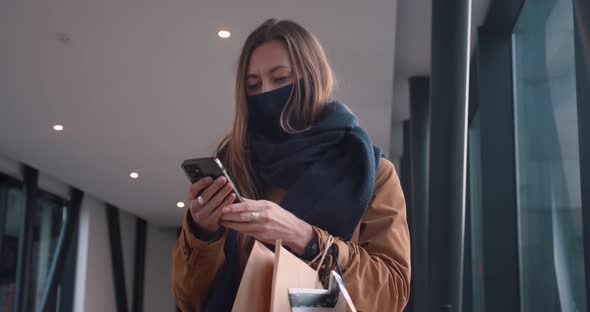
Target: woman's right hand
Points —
{"points": [[217, 194]]}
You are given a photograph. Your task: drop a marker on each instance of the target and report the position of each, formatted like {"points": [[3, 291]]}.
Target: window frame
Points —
{"points": [[59, 274]]}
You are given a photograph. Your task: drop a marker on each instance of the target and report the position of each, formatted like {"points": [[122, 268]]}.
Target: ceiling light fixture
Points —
{"points": [[224, 34], [180, 205], [134, 175], [58, 127]]}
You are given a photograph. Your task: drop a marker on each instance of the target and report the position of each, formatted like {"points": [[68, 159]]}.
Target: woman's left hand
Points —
{"points": [[268, 223]]}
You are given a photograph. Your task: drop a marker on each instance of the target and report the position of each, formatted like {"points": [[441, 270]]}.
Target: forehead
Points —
{"points": [[267, 56]]}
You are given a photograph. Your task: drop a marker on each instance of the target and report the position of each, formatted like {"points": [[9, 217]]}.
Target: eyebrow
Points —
{"points": [[272, 70]]}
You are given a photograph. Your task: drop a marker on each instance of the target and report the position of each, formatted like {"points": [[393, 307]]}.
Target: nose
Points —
{"points": [[266, 86]]}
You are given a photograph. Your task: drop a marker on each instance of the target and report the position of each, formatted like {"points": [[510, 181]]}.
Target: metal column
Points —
{"points": [[582, 44], [451, 22], [139, 272], [419, 128], [25, 244], [117, 258]]}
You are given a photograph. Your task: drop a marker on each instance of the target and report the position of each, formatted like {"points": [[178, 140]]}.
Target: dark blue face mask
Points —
{"points": [[264, 110]]}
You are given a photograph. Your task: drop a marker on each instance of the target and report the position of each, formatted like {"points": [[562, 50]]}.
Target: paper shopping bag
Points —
{"points": [[255, 287], [289, 272], [268, 277], [334, 299]]}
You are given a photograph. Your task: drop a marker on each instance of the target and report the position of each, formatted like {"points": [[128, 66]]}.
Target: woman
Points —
{"points": [[313, 172]]}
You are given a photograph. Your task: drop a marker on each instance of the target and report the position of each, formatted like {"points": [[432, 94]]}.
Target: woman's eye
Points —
{"points": [[281, 79], [253, 86]]}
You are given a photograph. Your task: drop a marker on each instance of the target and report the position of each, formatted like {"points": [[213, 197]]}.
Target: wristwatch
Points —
{"points": [[312, 249]]}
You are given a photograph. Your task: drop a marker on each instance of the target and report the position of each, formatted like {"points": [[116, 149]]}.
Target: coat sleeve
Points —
{"points": [[376, 270], [195, 266]]}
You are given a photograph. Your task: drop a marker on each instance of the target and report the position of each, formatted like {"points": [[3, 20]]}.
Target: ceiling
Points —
{"points": [[142, 85]]}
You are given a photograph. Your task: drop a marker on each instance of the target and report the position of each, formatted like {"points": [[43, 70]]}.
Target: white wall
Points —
{"points": [[94, 289], [94, 262], [158, 269], [94, 280]]}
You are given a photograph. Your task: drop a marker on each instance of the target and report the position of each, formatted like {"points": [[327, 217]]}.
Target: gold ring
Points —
{"points": [[254, 216]]}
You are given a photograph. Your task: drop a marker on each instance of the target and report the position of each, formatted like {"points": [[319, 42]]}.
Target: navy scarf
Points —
{"points": [[329, 174]]}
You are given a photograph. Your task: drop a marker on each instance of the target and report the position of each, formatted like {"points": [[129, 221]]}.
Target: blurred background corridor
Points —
{"points": [[483, 106]]}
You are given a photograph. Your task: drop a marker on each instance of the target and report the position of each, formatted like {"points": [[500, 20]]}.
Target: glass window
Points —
{"points": [[476, 221], [46, 232], [47, 227], [12, 206], [547, 160]]}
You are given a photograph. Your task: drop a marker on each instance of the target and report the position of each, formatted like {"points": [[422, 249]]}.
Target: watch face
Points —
{"points": [[314, 248], [311, 250]]}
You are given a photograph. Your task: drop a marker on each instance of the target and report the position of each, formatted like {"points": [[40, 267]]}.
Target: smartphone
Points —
{"points": [[198, 168]]}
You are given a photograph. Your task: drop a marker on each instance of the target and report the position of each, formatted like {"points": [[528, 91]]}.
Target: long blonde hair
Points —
{"points": [[311, 68]]}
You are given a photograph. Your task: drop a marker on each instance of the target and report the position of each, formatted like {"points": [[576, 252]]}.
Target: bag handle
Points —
{"points": [[322, 256]]}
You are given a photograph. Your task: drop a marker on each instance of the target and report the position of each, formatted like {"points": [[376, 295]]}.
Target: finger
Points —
{"points": [[210, 191], [243, 227], [245, 206], [194, 205], [263, 216], [216, 215], [199, 186], [237, 217], [196, 210], [215, 202]]}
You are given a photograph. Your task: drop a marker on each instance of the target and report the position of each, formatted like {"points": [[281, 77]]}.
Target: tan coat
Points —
{"points": [[375, 263]]}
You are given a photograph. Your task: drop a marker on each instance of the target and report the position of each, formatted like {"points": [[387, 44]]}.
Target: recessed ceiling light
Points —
{"points": [[58, 127], [223, 34], [134, 175], [180, 204]]}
